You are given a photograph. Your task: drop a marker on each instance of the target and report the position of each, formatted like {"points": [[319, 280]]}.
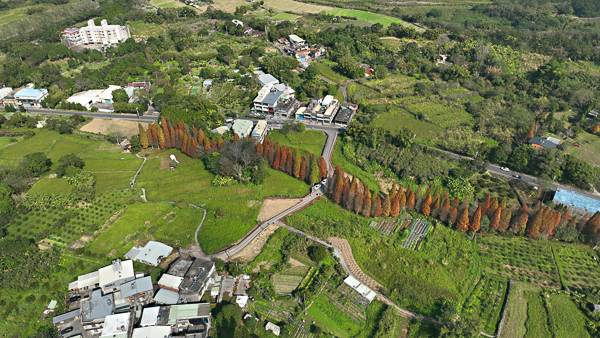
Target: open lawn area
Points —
{"points": [[232, 210], [325, 67], [589, 150], [143, 222], [112, 168], [285, 16], [446, 268], [395, 120], [166, 3], [310, 140], [372, 18], [142, 28]]}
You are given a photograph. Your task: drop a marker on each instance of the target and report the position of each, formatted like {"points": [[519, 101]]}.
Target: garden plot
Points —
{"points": [[578, 268], [519, 259], [338, 314], [419, 230], [285, 284], [385, 228]]}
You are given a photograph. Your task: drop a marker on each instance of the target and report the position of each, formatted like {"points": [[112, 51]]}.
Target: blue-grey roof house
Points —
{"points": [[573, 200]]}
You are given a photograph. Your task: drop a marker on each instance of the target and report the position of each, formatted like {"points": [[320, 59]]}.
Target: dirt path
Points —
{"points": [[255, 247], [355, 270], [127, 128]]}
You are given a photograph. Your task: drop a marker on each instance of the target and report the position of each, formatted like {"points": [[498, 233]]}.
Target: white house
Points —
{"points": [[104, 34]]}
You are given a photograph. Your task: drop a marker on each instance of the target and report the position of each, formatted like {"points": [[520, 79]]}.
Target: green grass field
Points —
{"points": [[142, 28], [394, 120], [366, 16], [285, 16], [232, 210], [338, 159], [310, 140], [326, 70], [143, 222], [589, 150], [49, 186], [566, 318]]}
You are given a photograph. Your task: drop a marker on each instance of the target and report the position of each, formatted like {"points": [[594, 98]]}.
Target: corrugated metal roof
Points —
{"points": [[575, 200], [66, 316], [170, 281], [152, 332], [136, 286], [167, 297], [150, 253]]}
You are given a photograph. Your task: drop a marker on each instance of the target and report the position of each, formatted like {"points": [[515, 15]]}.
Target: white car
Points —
{"points": [[317, 186], [324, 181], [504, 169]]}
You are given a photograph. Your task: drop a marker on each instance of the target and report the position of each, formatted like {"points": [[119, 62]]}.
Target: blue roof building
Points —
{"points": [[574, 200]]}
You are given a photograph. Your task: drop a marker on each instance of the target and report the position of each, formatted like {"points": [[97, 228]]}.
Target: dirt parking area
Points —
{"points": [[126, 128], [272, 207]]}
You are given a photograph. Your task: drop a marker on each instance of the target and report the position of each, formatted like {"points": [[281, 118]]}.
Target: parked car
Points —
{"points": [[317, 186], [67, 330], [517, 176], [577, 144], [504, 169], [324, 181]]}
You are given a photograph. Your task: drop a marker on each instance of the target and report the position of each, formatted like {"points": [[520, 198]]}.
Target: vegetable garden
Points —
{"points": [[578, 268], [485, 303], [418, 232]]}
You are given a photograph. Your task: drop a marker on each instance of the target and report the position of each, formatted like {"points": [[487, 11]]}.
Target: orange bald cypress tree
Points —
{"points": [[377, 210], [303, 169], [504, 220], [476, 220], [452, 216], [322, 167], [277, 160], [366, 209], [359, 200], [463, 221], [426, 206], [386, 206], [410, 200], [290, 162], [485, 204], [283, 160], [339, 189], [531, 131], [445, 210], [493, 206], [395, 208], [495, 220]]}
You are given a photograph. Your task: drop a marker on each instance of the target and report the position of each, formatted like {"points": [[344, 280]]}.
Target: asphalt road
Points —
{"points": [[525, 178], [144, 118]]}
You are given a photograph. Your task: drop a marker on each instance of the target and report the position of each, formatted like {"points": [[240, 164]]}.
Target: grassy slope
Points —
{"points": [[366, 16], [310, 140], [516, 311], [326, 70], [191, 183], [142, 222], [338, 159], [447, 267], [537, 319]]}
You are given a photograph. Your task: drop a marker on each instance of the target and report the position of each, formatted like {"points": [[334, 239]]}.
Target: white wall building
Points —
{"points": [[104, 34]]}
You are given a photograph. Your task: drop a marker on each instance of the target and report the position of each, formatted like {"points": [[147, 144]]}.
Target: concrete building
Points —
{"points": [[321, 111], [137, 292], [104, 34], [111, 277], [297, 41], [3, 93], [267, 79], [117, 326], [191, 320], [152, 253], [277, 100], [150, 316], [26, 97], [259, 132], [152, 332], [198, 278], [242, 127], [86, 98], [273, 328], [95, 309], [167, 297], [345, 114], [84, 282]]}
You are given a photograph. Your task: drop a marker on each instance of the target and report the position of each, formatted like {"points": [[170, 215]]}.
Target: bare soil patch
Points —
{"points": [[294, 262], [256, 246], [273, 207], [127, 128]]}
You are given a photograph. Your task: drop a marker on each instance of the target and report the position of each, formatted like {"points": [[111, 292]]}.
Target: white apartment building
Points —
{"points": [[104, 34]]}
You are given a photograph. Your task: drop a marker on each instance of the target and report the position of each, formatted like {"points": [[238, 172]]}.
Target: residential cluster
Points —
{"points": [[91, 35], [297, 47], [247, 29], [116, 301], [245, 128], [27, 96], [103, 99], [277, 100]]}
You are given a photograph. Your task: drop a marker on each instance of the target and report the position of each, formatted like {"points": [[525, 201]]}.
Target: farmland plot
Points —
{"points": [[486, 302], [519, 259], [418, 232], [579, 269]]}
